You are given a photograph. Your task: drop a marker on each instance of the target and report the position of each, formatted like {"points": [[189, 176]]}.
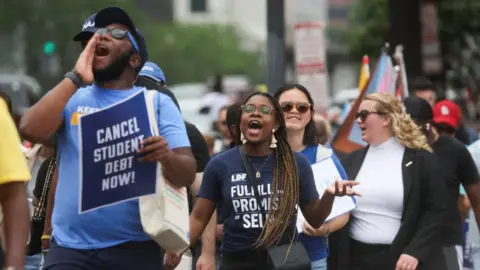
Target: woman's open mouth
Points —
{"points": [[254, 127]]}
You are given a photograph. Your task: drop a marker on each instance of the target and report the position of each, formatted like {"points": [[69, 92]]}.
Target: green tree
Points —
{"points": [[368, 28], [192, 53], [368, 25], [56, 21]]}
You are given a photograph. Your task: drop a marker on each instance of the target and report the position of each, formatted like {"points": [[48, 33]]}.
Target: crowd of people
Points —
{"points": [[415, 185]]}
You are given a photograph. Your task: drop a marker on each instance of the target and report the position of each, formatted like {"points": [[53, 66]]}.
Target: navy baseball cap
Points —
{"points": [[88, 29], [111, 15], [153, 71], [419, 109]]}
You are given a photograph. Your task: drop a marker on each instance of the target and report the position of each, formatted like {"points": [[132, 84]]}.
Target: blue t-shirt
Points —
{"points": [[119, 223], [317, 247], [225, 180]]}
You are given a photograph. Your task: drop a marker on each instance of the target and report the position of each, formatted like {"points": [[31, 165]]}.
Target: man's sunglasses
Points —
{"points": [[363, 114], [302, 107], [118, 33], [263, 109]]}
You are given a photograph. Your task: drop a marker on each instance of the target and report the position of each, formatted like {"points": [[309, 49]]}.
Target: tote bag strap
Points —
{"points": [[151, 110]]}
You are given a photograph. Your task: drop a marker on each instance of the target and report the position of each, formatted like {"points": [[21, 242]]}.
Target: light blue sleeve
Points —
{"points": [[170, 123], [462, 190], [339, 166]]}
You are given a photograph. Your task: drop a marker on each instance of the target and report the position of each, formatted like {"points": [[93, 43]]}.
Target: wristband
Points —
{"points": [[45, 237], [75, 78]]}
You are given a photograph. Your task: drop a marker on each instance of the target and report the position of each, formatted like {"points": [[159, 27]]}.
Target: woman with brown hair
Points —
{"points": [[398, 220]]}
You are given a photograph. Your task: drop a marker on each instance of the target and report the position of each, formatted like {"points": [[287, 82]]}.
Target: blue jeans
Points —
{"points": [[476, 257], [320, 264], [33, 262]]}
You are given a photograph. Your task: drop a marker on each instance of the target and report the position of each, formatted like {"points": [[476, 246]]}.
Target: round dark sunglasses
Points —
{"points": [[363, 114], [302, 107], [263, 109]]}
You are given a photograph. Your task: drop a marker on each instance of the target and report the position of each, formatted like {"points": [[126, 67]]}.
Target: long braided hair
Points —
{"points": [[285, 182], [41, 209]]}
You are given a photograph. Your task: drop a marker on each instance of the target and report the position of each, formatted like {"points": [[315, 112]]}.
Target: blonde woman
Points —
{"points": [[398, 220]]}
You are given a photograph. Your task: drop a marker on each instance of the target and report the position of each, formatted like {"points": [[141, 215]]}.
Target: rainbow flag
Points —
{"points": [[364, 73], [402, 84], [383, 79]]}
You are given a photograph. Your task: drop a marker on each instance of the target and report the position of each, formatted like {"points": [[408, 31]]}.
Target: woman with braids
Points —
{"points": [[42, 186], [298, 108], [284, 178], [398, 221]]}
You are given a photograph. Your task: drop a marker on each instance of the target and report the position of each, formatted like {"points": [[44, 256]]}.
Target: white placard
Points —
{"points": [[325, 173]]}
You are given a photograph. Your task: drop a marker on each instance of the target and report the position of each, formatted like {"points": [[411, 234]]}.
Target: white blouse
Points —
{"points": [[377, 217]]}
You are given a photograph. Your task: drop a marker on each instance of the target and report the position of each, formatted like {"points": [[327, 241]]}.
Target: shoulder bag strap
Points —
{"points": [[152, 111]]}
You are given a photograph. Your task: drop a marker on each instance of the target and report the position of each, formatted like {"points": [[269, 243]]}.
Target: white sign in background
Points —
{"points": [[310, 60]]}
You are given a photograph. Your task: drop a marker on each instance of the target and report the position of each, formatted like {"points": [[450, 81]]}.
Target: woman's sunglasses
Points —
{"points": [[118, 33], [363, 114], [302, 107], [263, 109]]}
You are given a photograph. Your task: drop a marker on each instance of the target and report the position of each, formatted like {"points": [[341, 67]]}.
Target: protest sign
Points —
{"points": [[325, 173], [109, 139]]}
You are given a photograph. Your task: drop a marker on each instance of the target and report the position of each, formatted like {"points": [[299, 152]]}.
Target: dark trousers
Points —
{"points": [[248, 260], [131, 255], [367, 256], [2, 259]]}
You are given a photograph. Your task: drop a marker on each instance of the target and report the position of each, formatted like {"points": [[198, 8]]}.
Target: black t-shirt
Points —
{"points": [[458, 166], [200, 151], [199, 146]]}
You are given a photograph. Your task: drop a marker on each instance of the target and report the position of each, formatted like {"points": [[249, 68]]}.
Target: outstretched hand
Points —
{"points": [[342, 188]]}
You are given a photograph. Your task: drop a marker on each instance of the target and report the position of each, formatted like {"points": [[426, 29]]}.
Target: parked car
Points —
{"points": [[23, 90], [189, 96]]}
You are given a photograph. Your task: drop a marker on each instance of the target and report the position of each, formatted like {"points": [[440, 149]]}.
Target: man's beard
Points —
{"points": [[114, 70]]}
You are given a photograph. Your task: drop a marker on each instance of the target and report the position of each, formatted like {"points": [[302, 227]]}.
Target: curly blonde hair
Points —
{"points": [[401, 126]]}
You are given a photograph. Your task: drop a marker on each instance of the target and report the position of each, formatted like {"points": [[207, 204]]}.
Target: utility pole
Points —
{"points": [[405, 28], [275, 44]]}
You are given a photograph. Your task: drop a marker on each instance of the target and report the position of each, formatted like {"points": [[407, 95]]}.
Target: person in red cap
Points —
{"points": [[446, 117]]}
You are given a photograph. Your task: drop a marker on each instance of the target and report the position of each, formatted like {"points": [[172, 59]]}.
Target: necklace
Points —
{"points": [[257, 174]]}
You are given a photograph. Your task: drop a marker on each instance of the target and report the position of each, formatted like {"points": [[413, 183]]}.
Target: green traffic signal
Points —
{"points": [[49, 47]]}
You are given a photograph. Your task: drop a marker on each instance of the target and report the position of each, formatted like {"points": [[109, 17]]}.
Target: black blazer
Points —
{"points": [[424, 211]]}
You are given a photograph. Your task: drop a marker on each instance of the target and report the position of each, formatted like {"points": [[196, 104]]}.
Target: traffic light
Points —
{"points": [[49, 47]]}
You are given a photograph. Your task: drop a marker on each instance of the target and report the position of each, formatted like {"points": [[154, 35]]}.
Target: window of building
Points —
{"points": [[198, 5]]}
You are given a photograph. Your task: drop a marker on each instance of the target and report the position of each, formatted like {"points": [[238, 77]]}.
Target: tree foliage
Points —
{"points": [[53, 20], [368, 24], [191, 53], [186, 52], [368, 28]]}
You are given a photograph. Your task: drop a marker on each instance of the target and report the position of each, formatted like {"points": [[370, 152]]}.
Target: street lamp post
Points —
{"points": [[275, 44]]}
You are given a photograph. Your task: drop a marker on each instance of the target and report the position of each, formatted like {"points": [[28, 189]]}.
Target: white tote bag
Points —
{"points": [[164, 215]]}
